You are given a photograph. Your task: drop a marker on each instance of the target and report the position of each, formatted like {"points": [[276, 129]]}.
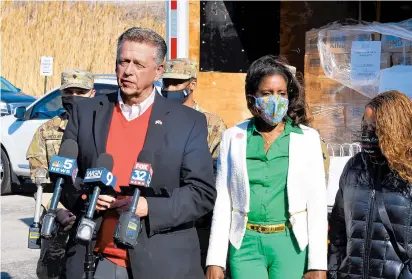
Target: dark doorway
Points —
{"points": [[234, 34]]}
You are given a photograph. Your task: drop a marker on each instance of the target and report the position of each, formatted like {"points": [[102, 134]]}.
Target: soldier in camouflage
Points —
{"points": [[75, 84], [179, 82]]}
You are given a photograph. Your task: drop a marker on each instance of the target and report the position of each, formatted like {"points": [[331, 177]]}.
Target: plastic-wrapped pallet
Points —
{"points": [[343, 65]]}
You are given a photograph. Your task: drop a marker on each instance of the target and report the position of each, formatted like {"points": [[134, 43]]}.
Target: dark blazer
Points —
{"points": [[181, 162]]}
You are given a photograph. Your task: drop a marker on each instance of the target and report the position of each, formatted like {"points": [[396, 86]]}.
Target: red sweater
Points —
{"points": [[124, 143]]}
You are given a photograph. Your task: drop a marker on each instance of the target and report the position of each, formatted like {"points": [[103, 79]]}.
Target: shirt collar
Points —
{"points": [[149, 100], [290, 127]]}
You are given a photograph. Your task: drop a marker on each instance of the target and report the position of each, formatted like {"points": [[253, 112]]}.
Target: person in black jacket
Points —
{"points": [[363, 246]]}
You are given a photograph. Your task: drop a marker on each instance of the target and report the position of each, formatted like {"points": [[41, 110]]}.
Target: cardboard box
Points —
{"points": [[402, 59], [342, 61], [313, 65], [325, 90], [337, 123], [311, 42], [397, 44], [338, 41]]}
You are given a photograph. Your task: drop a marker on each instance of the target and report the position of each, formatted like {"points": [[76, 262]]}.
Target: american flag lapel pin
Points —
{"points": [[158, 122]]}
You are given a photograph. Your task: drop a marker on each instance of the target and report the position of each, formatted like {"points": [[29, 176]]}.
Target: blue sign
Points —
{"points": [[63, 166], [102, 175]]}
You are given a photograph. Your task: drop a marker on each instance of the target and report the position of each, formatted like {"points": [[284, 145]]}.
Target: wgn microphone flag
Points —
{"points": [[99, 178]]}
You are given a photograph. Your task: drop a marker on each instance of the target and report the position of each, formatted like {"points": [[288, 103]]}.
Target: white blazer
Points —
{"points": [[306, 191]]}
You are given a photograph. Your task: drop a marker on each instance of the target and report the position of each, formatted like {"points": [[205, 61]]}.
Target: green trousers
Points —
{"points": [[268, 256]]}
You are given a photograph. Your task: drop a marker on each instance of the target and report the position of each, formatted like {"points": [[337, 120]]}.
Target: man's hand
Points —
{"points": [[104, 202], [318, 274], [65, 218], [215, 272], [142, 208], [123, 204]]}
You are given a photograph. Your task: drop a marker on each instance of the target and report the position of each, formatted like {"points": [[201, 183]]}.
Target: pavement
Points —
{"points": [[17, 261]]}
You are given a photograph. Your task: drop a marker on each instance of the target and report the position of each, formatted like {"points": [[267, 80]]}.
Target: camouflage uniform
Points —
{"points": [[215, 128], [185, 69], [45, 144], [326, 158]]}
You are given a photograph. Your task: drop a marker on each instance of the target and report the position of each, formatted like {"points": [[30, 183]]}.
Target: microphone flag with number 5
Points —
{"points": [[62, 166]]}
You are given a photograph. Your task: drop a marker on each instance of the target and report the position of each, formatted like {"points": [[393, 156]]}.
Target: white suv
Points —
{"points": [[17, 130]]}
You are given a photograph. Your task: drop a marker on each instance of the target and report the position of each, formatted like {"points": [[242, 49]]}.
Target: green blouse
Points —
{"points": [[268, 175]]}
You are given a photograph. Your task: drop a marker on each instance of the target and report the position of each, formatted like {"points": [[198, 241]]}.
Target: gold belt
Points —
{"points": [[267, 228]]}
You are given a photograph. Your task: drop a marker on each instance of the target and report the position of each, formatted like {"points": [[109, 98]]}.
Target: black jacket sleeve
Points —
{"points": [[337, 233], [70, 197], [197, 193]]}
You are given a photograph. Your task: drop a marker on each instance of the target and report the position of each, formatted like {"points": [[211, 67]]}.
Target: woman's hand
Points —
{"points": [[315, 274], [215, 272]]}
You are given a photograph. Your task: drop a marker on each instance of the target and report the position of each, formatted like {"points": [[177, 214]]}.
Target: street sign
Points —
{"points": [[46, 66]]}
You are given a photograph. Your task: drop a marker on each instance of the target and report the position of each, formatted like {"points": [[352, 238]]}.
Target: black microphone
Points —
{"points": [[62, 167], [99, 178], [34, 230], [128, 226]]}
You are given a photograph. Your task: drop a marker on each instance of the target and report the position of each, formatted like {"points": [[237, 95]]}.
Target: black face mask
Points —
{"points": [[370, 145], [69, 102], [176, 95]]}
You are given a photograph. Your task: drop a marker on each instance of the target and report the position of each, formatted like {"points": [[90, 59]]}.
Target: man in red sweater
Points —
{"points": [[173, 138]]}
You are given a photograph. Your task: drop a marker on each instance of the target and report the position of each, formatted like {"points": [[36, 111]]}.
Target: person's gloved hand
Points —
{"points": [[65, 218]]}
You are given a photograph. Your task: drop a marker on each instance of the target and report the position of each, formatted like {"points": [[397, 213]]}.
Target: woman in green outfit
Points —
{"points": [[271, 202]]}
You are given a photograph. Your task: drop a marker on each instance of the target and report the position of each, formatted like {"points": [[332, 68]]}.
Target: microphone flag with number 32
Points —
{"points": [[141, 174]]}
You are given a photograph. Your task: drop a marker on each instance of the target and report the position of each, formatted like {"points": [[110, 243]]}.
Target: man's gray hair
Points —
{"points": [[144, 35]]}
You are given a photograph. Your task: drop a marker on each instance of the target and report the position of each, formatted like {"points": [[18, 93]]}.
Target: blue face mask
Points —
{"points": [[273, 108], [176, 95]]}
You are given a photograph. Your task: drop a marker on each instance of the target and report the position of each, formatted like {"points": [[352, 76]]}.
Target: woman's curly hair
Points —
{"points": [[270, 65], [393, 112]]}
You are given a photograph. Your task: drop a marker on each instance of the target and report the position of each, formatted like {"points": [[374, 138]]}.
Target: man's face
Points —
{"points": [[73, 91], [136, 69]]}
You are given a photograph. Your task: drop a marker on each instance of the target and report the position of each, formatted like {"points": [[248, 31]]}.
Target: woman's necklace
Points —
{"points": [[267, 140]]}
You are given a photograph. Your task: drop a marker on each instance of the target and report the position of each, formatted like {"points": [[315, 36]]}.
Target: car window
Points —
{"points": [[48, 107], [105, 88], [5, 86], [51, 105]]}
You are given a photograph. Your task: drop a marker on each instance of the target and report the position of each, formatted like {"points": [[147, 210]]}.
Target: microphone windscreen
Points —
{"points": [[105, 161], [69, 149]]}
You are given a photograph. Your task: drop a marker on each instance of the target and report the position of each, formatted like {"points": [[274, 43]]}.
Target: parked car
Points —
{"points": [[8, 86], [12, 97], [17, 130]]}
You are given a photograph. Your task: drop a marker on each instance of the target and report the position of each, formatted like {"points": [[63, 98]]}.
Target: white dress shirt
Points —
{"points": [[133, 112]]}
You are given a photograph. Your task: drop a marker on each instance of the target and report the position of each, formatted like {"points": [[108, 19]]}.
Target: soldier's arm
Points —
{"points": [[215, 138], [36, 153]]}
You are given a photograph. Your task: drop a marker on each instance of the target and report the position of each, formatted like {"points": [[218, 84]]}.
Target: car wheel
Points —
{"points": [[5, 174]]}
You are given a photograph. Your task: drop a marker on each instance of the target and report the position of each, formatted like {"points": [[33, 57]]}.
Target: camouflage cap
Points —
{"points": [[181, 68], [77, 78]]}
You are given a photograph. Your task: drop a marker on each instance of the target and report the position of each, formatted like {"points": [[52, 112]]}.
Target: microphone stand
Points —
{"points": [[89, 261]]}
